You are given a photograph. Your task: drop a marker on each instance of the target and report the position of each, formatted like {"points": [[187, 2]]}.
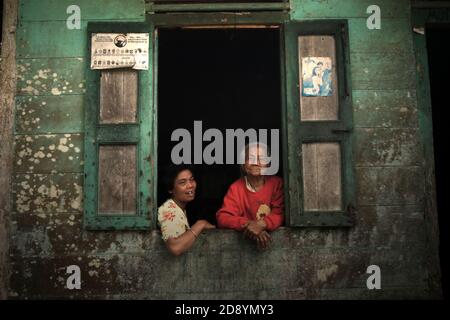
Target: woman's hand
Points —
{"points": [[206, 225], [254, 228], [263, 240]]}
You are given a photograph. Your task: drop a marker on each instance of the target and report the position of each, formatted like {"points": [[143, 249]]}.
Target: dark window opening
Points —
{"points": [[228, 79], [439, 68]]}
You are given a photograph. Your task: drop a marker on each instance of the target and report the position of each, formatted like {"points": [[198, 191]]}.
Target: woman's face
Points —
{"points": [[184, 187], [255, 161]]}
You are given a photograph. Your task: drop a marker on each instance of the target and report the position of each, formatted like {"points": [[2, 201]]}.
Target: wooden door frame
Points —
{"points": [[259, 19]]}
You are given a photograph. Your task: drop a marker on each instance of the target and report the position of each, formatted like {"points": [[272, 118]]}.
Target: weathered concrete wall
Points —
{"points": [[46, 227], [7, 90]]}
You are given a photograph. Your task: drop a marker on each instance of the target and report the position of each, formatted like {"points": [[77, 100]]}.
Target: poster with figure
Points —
{"points": [[316, 77], [117, 50]]}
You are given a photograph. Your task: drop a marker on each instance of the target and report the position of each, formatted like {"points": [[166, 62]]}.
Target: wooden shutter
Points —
{"points": [[119, 149], [319, 125]]}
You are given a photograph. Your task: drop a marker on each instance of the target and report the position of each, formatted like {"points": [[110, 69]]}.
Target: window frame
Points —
{"points": [[299, 132], [293, 134], [139, 134]]}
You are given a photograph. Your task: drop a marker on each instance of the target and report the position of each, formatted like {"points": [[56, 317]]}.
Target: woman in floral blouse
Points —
{"points": [[176, 232]]}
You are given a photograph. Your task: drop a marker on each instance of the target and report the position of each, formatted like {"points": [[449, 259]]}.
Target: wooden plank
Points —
{"points": [[390, 185], [40, 39], [49, 114], [218, 18], [387, 147], [111, 96], [48, 153], [50, 10], [322, 176], [318, 108], [363, 39], [329, 176], [311, 9], [56, 76], [118, 96], [309, 169], [196, 7], [117, 180], [8, 83], [130, 95], [385, 108], [45, 193], [387, 70]]}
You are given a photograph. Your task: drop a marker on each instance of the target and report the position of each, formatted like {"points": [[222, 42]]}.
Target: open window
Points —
{"points": [[319, 139], [228, 73], [227, 78]]}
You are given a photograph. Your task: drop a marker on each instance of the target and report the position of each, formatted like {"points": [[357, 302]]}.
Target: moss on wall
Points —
{"points": [[46, 222]]}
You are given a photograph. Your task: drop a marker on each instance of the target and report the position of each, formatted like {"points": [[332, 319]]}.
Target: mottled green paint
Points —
{"points": [[388, 70], [57, 76], [56, 114], [386, 186], [70, 222], [389, 222], [53, 10], [48, 153], [363, 39], [47, 193], [50, 39], [385, 108], [387, 147], [321, 9], [47, 232]]}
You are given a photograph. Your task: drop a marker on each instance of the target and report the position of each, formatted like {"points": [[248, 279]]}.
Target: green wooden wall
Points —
{"points": [[46, 223]]}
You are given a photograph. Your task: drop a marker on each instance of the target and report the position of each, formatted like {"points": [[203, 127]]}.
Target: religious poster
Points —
{"points": [[316, 77], [117, 50]]}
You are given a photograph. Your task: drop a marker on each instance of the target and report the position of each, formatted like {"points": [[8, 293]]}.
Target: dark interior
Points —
{"points": [[439, 68], [228, 79]]}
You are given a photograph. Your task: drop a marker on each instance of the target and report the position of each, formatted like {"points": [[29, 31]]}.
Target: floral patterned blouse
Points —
{"points": [[172, 220]]}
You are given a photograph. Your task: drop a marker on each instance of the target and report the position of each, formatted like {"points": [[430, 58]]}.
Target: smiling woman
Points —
{"points": [[176, 232]]}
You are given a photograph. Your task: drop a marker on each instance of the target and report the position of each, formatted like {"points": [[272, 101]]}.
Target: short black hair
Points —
{"points": [[171, 172]]}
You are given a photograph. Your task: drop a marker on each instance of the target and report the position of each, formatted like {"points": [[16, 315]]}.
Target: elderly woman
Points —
{"points": [[172, 218], [254, 203]]}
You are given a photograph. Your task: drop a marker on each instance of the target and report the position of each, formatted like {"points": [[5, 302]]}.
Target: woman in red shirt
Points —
{"points": [[254, 204]]}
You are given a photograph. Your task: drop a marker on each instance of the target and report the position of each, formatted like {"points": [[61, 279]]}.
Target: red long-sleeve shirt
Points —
{"points": [[241, 205]]}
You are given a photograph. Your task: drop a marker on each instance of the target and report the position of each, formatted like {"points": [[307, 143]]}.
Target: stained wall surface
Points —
{"points": [[304, 263]]}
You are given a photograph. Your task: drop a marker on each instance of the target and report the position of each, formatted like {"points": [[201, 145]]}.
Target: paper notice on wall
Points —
{"points": [[119, 50]]}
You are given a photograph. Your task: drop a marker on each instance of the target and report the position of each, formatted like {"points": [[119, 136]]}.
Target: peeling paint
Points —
{"points": [[325, 273], [55, 92]]}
